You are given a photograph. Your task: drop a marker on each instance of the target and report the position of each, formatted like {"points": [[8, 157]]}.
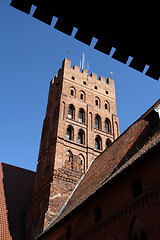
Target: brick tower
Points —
{"points": [[81, 121]]}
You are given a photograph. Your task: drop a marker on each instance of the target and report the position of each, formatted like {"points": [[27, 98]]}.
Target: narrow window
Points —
{"points": [[98, 143], [81, 96], [97, 102], [105, 106], [81, 117], [106, 92], [97, 122], [73, 78], [81, 137], [95, 87], [71, 111], [137, 188], [72, 92], [107, 125], [69, 134], [84, 83], [98, 214]]}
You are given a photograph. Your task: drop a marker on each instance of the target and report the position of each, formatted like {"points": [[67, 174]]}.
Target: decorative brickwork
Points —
{"points": [[81, 121]]}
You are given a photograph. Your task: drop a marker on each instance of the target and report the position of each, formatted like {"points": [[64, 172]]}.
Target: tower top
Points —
{"points": [[67, 65]]}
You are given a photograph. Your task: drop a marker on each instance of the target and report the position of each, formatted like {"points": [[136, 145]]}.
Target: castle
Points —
{"points": [[91, 182], [81, 121]]}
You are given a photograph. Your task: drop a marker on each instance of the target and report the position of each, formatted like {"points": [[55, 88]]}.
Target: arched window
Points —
{"points": [[70, 133], [97, 101], [107, 125], [72, 92], [71, 111], [106, 105], [81, 162], [81, 116], [69, 156], [108, 143], [97, 122], [81, 137], [82, 95], [98, 143]]}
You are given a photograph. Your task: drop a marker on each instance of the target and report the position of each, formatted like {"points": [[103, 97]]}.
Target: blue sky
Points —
{"points": [[31, 52]]}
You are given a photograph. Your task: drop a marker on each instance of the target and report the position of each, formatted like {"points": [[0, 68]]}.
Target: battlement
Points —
{"points": [[76, 72]]}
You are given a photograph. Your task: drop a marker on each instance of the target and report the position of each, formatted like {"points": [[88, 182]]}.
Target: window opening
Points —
{"points": [[137, 188], [81, 137], [107, 126], [98, 143], [98, 214], [97, 122], [81, 117], [72, 92], [69, 134], [81, 96], [71, 112]]}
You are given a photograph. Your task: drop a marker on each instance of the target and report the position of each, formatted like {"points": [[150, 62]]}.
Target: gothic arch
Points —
{"points": [[81, 159], [98, 122], [71, 111], [70, 133], [82, 96], [107, 125], [69, 156], [81, 115], [97, 101], [137, 231], [81, 136], [98, 143], [72, 92], [107, 105]]}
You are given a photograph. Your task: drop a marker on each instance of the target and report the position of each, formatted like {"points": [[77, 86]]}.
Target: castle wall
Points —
{"points": [[123, 216]]}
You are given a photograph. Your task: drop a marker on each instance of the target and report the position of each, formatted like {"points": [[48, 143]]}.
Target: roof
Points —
{"points": [[16, 185], [134, 142]]}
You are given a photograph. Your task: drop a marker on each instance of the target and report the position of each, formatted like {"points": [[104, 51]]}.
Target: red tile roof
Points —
{"points": [[4, 226], [16, 186]]}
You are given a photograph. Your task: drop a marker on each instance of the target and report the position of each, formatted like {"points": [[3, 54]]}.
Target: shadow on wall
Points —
{"points": [[18, 186]]}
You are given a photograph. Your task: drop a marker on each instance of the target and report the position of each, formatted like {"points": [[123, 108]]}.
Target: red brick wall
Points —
{"points": [[54, 145], [122, 215]]}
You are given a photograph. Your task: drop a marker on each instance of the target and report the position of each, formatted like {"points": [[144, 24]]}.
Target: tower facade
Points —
{"points": [[81, 121]]}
